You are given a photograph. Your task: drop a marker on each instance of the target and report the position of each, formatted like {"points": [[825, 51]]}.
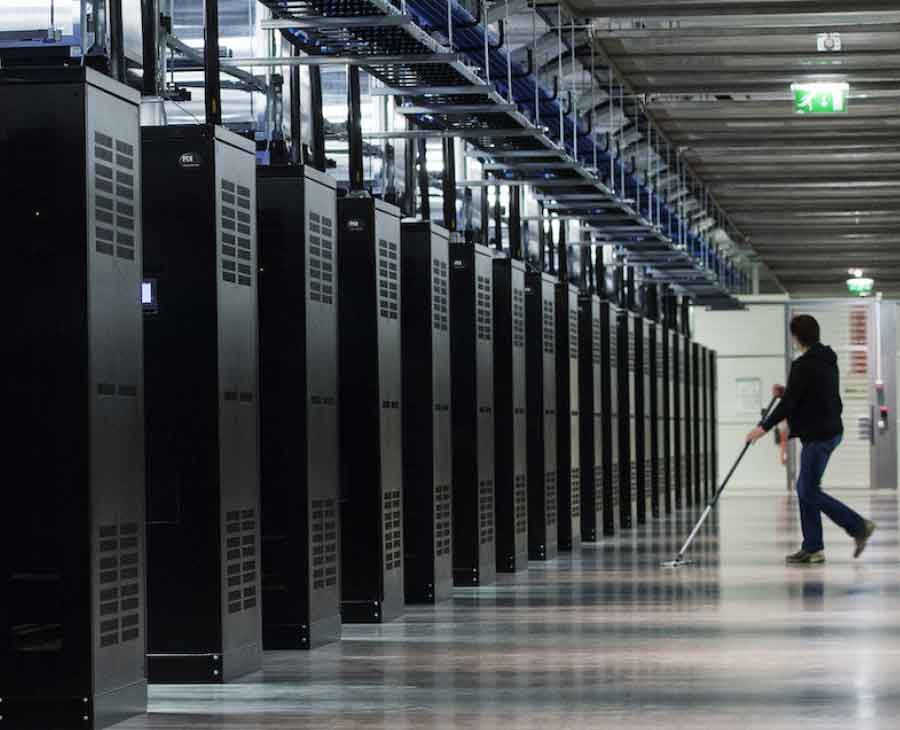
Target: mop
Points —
{"points": [[679, 560]]}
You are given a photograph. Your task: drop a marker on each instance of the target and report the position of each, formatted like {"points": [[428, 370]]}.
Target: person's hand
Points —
{"points": [[755, 435]]}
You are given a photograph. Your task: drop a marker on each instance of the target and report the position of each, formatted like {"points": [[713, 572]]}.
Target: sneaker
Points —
{"points": [[861, 540], [801, 557]]}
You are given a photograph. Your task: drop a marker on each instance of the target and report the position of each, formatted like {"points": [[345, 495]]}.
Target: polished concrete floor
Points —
{"points": [[608, 639]]}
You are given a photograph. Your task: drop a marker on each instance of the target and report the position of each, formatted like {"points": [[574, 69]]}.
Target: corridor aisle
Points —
{"points": [[610, 640]]}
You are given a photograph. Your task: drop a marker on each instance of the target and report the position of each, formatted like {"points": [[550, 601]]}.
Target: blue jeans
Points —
{"points": [[813, 501]]}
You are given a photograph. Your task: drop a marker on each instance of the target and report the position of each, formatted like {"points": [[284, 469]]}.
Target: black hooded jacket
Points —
{"points": [[812, 399]]}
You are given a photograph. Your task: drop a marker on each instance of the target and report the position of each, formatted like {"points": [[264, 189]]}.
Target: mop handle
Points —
{"points": [[712, 503]]}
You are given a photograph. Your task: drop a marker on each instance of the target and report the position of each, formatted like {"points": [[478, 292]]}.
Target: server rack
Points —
{"points": [[703, 399], [472, 363], [611, 397], [643, 442], [540, 366], [73, 551], [591, 423], [299, 458], [628, 376], [696, 423], [371, 433], [713, 424], [676, 441], [654, 412], [510, 434], [427, 454], [200, 343], [664, 373], [687, 416], [568, 460]]}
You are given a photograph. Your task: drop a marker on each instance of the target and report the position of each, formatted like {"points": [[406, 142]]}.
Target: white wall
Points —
{"points": [[749, 344]]}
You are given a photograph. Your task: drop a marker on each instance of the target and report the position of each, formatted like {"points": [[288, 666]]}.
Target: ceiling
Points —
{"points": [[812, 195]]}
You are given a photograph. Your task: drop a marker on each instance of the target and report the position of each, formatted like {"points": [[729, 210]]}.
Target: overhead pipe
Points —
{"points": [[354, 131], [212, 86]]}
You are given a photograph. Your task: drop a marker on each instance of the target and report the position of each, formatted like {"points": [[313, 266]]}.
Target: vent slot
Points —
{"points": [[440, 296], [549, 328], [550, 497], [598, 489], [393, 536], [324, 544], [596, 347], [633, 478], [484, 315], [631, 351], [114, 197], [443, 525], [120, 586], [575, 491], [615, 484], [237, 232], [322, 269], [518, 318], [520, 500], [388, 280], [241, 575], [573, 334], [486, 511], [646, 358]]}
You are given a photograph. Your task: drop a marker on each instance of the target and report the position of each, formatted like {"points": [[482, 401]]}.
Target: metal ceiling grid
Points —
{"points": [[815, 195]]}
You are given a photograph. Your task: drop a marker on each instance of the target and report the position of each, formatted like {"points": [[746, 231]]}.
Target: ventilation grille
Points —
{"points": [[573, 334], [119, 589], [633, 478], [598, 487], [648, 479], [631, 351], [486, 511], [443, 525], [646, 358], [550, 497], [614, 482], [321, 259], [575, 492], [440, 297], [520, 500], [324, 544], [483, 312], [114, 198], [596, 346], [393, 543], [240, 559], [388, 280], [518, 317], [549, 333], [236, 234]]}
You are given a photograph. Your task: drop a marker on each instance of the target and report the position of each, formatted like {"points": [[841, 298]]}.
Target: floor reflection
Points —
{"points": [[736, 640]]}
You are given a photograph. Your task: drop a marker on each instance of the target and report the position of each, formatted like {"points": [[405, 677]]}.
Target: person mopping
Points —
{"points": [[811, 403]]}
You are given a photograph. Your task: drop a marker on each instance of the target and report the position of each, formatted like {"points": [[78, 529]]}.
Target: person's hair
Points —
{"points": [[805, 329]]}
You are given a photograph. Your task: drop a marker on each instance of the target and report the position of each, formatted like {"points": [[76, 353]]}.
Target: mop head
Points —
{"points": [[677, 563]]}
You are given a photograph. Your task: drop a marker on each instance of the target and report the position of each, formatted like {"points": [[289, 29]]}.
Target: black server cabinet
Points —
{"points": [[540, 366], [695, 425], [568, 461], [643, 451], [713, 424], [590, 407], [628, 376], [687, 415], [472, 409], [703, 404], [510, 434], [298, 408], [200, 364], [371, 424], [610, 402], [676, 434], [72, 565], [427, 455], [664, 411], [653, 410]]}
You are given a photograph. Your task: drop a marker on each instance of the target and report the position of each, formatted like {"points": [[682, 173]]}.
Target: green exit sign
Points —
{"points": [[821, 98]]}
